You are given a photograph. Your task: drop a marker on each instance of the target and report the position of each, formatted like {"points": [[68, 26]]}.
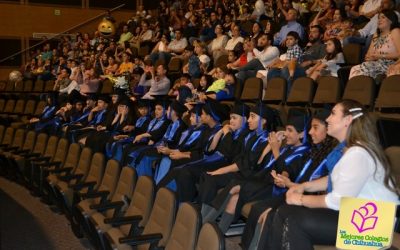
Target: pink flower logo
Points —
{"points": [[363, 218]]}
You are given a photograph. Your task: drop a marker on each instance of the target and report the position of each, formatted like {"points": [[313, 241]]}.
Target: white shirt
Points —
{"points": [[180, 44], [267, 56], [332, 65], [370, 5], [230, 45], [355, 175]]}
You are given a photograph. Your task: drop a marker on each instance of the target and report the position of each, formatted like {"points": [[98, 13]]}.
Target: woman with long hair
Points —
{"points": [[363, 171], [384, 49]]}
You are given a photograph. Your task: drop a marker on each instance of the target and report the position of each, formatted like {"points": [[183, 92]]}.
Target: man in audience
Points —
{"points": [[265, 54], [314, 51], [159, 83], [292, 25]]}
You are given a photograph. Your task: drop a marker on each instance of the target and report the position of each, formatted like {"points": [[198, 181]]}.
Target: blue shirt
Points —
{"points": [[291, 26]]}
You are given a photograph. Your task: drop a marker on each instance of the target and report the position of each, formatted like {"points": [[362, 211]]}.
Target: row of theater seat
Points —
{"points": [[106, 202]]}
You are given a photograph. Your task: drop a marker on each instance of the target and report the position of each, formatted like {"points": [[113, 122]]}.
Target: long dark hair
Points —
{"points": [[338, 49], [392, 16], [363, 133]]}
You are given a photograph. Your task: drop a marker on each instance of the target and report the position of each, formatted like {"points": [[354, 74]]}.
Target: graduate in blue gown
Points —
{"points": [[247, 163], [220, 151], [313, 167], [121, 122], [115, 146], [213, 114], [155, 131], [284, 160], [144, 160], [97, 117], [45, 121]]}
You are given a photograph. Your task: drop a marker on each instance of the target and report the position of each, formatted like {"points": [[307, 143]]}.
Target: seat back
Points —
{"points": [[10, 104], [221, 61], [142, 201], [49, 86], [29, 107], [162, 215], [71, 160], [40, 144], [19, 138], [174, 65], [107, 87], [29, 142], [61, 150], [19, 107], [51, 147], [186, 228], [252, 89], [19, 86], [275, 91], [393, 154], [110, 177], [210, 238], [328, 90], [126, 185], [28, 85], [361, 89], [2, 129], [84, 162], [9, 86], [302, 91], [39, 108], [96, 170], [389, 93], [8, 136], [352, 53], [38, 86], [2, 104]]}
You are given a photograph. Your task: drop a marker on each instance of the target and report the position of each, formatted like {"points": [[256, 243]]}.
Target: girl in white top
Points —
{"points": [[363, 171]]}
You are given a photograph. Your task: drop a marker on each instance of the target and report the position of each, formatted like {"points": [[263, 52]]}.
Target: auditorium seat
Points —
{"points": [[328, 91], [48, 86], [103, 193], [252, 89], [17, 142], [26, 114], [361, 89], [28, 86], [38, 86], [123, 192], [210, 238], [64, 190], [387, 103], [161, 221], [140, 205]]}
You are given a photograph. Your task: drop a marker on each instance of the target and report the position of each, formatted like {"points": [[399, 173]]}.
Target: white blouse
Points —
{"points": [[356, 175]]}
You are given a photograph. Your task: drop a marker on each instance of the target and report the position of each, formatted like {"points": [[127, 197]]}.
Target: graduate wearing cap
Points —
{"points": [[80, 121], [312, 167], [212, 115], [44, 122], [155, 131], [121, 122], [220, 151], [170, 140], [96, 117], [115, 146], [284, 161], [245, 164]]}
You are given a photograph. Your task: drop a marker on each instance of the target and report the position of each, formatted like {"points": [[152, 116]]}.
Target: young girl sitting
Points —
{"points": [[328, 66]]}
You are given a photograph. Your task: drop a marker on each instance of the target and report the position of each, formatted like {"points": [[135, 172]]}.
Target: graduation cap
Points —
{"points": [[297, 119], [118, 91], [178, 107], [240, 109], [144, 103], [196, 110], [322, 114], [219, 112], [124, 101], [263, 111], [75, 97], [105, 98], [91, 96]]}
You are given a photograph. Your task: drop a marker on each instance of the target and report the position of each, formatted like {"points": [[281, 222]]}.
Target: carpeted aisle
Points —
{"points": [[26, 223]]}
